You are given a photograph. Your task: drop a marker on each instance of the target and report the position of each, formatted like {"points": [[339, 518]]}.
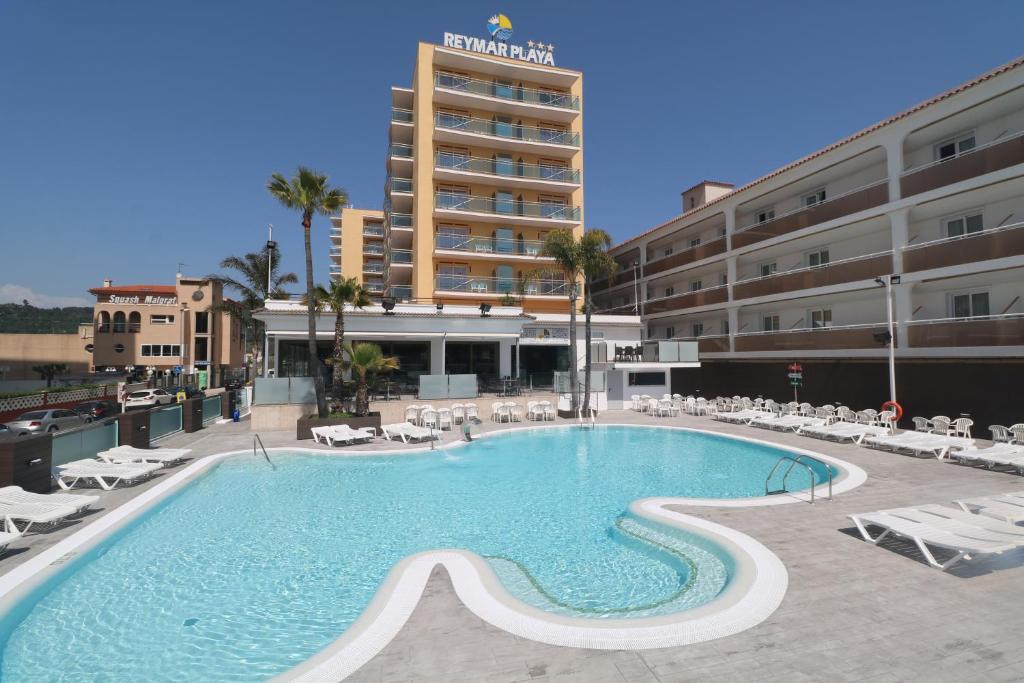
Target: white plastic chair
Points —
{"points": [[429, 418], [652, 406], [471, 411], [444, 418], [503, 413], [665, 407], [962, 427], [412, 414], [549, 410], [458, 414], [636, 402], [495, 408], [516, 412]]}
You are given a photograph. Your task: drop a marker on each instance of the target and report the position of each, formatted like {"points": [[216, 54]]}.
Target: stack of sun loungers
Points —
{"points": [[106, 475], [919, 443], [129, 454], [18, 505], [343, 434]]}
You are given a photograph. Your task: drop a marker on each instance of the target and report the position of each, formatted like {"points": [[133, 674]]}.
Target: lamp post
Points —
{"points": [[271, 245], [888, 282]]}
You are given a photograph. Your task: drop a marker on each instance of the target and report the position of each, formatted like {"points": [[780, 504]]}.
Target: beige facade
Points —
{"points": [[357, 247], [160, 327], [20, 352]]}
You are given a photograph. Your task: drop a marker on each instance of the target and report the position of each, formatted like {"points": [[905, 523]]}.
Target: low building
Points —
{"points": [[19, 353], [159, 329]]}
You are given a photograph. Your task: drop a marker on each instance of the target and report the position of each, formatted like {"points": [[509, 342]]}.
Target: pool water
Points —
{"points": [[250, 570]]}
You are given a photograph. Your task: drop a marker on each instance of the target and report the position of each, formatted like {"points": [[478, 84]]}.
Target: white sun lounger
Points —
{"points": [[163, 456], [744, 416], [928, 533], [334, 434], [1009, 509], [106, 475], [919, 443], [16, 494], [406, 432], [46, 514], [794, 422], [997, 454], [10, 533], [841, 431]]}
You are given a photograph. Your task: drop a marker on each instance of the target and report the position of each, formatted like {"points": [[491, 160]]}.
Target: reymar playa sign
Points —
{"points": [[500, 27]]}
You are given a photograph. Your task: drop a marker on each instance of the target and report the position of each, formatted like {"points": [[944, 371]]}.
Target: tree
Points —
{"points": [[50, 370], [597, 263], [250, 280], [345, 291], [364, 360], [565, 249], [308, 192]]}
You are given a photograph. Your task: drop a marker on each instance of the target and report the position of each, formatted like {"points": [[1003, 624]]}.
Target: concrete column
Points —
{"points": [[894, 165], [902, 312], [734, 326], [505, 357], [899, 225], [730, 273], [437, 356], [730, 227]]}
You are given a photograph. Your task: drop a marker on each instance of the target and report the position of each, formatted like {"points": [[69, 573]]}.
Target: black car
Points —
{"points": [[96, 409], [190, 392]]}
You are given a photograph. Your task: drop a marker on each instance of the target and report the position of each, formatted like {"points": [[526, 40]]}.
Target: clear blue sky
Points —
{"points": [[134, 135]]}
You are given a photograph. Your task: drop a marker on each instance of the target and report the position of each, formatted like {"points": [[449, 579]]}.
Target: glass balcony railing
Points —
{"points": [[401, 220], [401, 115], [401, 256], [400, 292], [508, 131], [335, 268], [498, 285], [489, 245], [400, 150], [373, 231], [507, 168], [401, 185], [335, 232], [374, 287], [506, 91], [373, 249], [452, 201], [335, 251]]}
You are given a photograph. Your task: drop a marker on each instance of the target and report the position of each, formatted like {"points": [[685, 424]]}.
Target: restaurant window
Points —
{"points": [[820, 318], [202, 323], [818, 257], [161, 319], [765, 215], [954, 147], [968, 304], [770, 323], [816, 197], [119, 322], [964, 225]]}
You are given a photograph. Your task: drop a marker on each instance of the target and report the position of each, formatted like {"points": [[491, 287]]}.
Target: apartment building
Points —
{"points": [[160, 329], [357, 248], [787, 267]]}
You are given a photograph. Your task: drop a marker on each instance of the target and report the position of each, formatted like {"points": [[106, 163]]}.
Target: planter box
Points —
{"points": [[303, 424]]}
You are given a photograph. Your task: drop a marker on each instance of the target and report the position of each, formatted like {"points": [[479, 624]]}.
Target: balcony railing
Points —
{"points": [[1007, 240], [335, 232], [401, 115], [373, 231], [489, 245], [710, 343], [401, 185], [402, 292], [507, 169], [986, 158], [701, 297], [374, 287], [400, 220], [989, 330], [335, 251], [834, 273], [809, 339], [506, 207], [401, 256], [701, 251], [496, 285], [373, 267], [509, 131], [851, 202], [400, 150], [373, 249], [509, 92], [623, 276]]}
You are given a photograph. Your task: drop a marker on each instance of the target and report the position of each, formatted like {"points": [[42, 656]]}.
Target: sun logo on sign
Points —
{"points": [[500, 27]]}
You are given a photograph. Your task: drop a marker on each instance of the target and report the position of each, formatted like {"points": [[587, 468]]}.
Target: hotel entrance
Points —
{"points": [[539, 363], [468, 358]]}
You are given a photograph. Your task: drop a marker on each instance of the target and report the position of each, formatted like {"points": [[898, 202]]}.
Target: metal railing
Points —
{"points": [[401, 256], [475, 86], [496, 285], [509, 131], [986, 232], [506, 168], [373, 231], [374, 267], [825, 202], [401, 115], [373, 249], [401, 185], [400, 220], [489, 245], [454, 201], [374, 287], [400, 292], [820, 266], [400, 150], [793, 462]]}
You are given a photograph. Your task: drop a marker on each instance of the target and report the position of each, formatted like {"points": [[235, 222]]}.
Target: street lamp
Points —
{"points": [[889, 337]]}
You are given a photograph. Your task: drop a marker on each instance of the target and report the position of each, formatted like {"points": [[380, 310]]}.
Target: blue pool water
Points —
{"points": [[251, 570]]}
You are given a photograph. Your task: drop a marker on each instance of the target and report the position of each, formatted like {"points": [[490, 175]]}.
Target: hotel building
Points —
{"points": [[159, 328], [784, 268], [357, 248]]}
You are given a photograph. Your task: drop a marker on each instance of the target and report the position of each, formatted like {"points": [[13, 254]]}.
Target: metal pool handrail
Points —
{"points": [[255, 438], [793, 462]]}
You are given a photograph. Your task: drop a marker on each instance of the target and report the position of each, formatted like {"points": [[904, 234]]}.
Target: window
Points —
{"points": [[202, 322], [670, 332], [450, 237], [964, 225], [723, 279], [725, 327], [766, 269], [103, 324], [668, 251], [503, 164], [647, 379], [817, 258], [447, 119], [119, 348], [504, 241], [765, 215], [820, 318], [551, 170], [669, 291], [698, 329], [504, 202], [452, 197], [134, 321], [552, 207], [770, 323], [150, 350], [502, 126], [449, 159], [696, 286], [968, 304], [453, 81], [202, 349], [693, 202], [119, 322], [504, 89], [506, 279], [954, 147], [813, 198], [452, 276], [694, 243], [161, 319]]}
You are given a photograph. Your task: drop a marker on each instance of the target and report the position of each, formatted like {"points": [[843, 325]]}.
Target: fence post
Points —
{"points": [[192, 415], [133, 429], [26, 462], [227, 404]]}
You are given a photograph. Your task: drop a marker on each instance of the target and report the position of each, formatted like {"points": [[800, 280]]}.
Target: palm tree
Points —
{"points": [[250, 281], [364, 360], [309, 193], [597, 263], [563, 247], [345, 291]]}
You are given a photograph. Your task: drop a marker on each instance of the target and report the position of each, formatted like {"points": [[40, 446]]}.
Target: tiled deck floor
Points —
{"points": [[853, 611]]}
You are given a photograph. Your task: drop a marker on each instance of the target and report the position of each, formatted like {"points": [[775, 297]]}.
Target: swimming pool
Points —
{"points": [[248, 571]]}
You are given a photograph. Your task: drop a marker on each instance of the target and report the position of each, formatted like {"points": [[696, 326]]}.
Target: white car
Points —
{"points": [[147, 398]]}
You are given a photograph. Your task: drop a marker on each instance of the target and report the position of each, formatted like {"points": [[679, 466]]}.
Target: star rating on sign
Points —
{"points": [[529, 43], [541, 46]]}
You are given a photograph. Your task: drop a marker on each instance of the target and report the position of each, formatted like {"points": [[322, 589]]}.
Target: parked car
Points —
{"points": [[52, 420], [6, 432], [96, 409], [147, 398], [190, 392]]}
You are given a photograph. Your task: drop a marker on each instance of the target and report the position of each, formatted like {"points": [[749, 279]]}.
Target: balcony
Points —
{"points": [[401, 115], [811, 339], [701, 297], [374, 267], [400, 292], [489, 246], [701, 251], [993, 243], [401, 151], [336, 233], [454, 128], [711, 343], [374, 287], [990, 330], [509, 93], [335, 251], [629, 275], [400, 220], [834, 273], [468, 284], [401, 256], [543, 213], [852, 202], [403, 185], [457, 167], [373, 231], [978, 161], [373, 249]]}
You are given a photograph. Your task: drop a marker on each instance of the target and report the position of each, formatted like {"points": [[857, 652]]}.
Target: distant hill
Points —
{"points": [[24, 319]]}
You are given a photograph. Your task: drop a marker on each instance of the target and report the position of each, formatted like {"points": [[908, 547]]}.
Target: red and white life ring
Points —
{"points": [[897, 406]]}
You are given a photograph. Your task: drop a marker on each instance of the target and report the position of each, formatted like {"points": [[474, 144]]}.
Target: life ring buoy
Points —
{"points": [[897, 406]]}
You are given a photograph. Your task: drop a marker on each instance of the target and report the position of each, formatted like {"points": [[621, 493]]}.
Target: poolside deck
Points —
{"points": [[853, 611]]}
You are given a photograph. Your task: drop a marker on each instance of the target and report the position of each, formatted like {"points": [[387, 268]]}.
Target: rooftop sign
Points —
{"points": [[500, 27], [147, 300]]}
